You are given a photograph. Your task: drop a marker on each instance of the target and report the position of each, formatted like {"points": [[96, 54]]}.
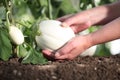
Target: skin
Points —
{"points": [[106, 15]]}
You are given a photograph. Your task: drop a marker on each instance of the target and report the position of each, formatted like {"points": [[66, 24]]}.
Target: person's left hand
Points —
{"points": [[77, 22], [71, 50]]}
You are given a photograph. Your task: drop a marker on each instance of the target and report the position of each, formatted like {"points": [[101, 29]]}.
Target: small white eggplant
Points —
{"points": [[16, 35], [53, 35], [114, 47]]}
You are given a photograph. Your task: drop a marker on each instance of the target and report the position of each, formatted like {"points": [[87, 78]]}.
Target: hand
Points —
{"points": [[77, 45], [78, 22], [72, 49]]}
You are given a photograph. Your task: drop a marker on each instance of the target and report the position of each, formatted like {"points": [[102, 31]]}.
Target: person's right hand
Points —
{"points": [[71, 49], [77, 22]]}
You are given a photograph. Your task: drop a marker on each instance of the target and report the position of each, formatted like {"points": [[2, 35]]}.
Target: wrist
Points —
{"points": [[99, 15], [103, 14], [89, 40]]}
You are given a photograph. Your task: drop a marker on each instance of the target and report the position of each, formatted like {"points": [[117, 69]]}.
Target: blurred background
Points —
{"points": [[27, 12]]}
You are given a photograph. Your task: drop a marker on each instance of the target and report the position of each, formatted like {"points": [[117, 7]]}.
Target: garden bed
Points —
{"points": [[81, 68]]}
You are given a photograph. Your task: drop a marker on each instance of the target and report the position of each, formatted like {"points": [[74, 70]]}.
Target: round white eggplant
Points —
{"points": [[53, 35]]}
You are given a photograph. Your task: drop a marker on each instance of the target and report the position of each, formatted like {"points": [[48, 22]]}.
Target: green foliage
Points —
{"points": [[30, 55], [66, 7], [26, 15], [102, 50], [21, 51], [2, 13], [34, 57], [5, 45]]}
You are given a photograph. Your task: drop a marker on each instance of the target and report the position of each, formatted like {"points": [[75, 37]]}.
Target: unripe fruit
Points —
{"points": [[16, 35]]}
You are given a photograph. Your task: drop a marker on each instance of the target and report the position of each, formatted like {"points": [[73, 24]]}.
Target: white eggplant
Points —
{"points": [[53, 35], [114, 47], [16, 35]]}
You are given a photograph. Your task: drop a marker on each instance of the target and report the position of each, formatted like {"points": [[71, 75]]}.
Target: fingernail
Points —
{"points": [[64, 25], [57, 54], [89, 23]]}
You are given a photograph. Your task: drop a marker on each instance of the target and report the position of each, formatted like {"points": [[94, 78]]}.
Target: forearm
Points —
{"points": [[110, 31], [104, 14]]}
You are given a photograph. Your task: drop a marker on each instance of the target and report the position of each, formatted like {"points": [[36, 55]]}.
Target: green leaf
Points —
{"points": [[2, 12], [67, 7], [102, 50], [43, 2], [34, 57], [21, 51], [5, 45]]}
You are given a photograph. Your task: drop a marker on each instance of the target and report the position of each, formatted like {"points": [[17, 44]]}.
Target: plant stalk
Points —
{"points": [[50, 9], [9, 17]]}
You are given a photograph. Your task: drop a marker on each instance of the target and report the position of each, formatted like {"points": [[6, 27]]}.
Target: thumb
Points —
{"points": [[81, 27], [68, 22]]}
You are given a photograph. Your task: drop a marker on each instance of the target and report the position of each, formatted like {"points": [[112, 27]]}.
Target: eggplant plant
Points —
{"points": [[19, 25]]}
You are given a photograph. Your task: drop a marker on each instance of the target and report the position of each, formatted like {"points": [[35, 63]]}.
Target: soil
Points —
{"points": [[81, 68]]}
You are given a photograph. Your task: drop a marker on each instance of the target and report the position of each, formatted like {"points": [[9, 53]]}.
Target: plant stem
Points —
{"points": [[50, 9], [8, 6], [7, 18]]}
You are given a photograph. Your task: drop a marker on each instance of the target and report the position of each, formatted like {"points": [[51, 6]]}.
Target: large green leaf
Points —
{"points": [[5, 45], [21, 51], [32, 56]]}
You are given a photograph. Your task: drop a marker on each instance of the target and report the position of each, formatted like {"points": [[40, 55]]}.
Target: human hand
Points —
{"points": [[77, 22], [71, 50]]}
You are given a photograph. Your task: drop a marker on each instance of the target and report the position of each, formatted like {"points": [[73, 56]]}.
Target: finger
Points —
{"points": [[49, 53], [64, 17], [64, 50], [80, 27], [62, 57], [70, 56], [68, 22], [74, 19]]}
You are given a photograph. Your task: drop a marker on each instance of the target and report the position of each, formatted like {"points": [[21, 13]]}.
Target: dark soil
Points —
{"points": [[81, 68]]}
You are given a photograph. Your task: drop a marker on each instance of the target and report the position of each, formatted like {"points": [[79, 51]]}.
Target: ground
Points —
{"points": [[81, 68]]}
